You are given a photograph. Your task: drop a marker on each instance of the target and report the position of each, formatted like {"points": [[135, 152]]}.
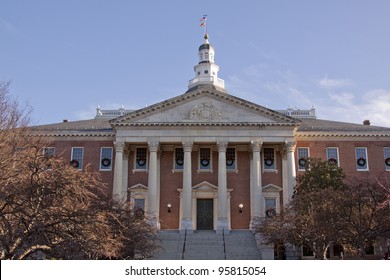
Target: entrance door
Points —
{"points": [[204, 214]]}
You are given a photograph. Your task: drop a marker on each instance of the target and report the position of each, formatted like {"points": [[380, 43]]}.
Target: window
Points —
{"points": [[269, 158], [303, 155], [139, 203], [206, 56], [387, 158], [77, 157], [106, 159], [206, 71], [332, 155], [361, 159], [204, 158], [270, 207], [179, 159], [230, 158], [49, 151], [141, 159]]}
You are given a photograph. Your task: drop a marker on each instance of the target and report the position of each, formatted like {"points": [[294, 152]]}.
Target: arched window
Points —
{"points": [[201, 56], [206, 56]]}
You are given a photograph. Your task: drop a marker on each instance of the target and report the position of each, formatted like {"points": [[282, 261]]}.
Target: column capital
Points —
{"points": [[289, 146], [222, 145], [119, 146], [153, 146], [256, 146], [187, 146]]}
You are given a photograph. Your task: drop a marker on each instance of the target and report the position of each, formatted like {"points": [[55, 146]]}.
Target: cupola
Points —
{"points": [[206, 71]]}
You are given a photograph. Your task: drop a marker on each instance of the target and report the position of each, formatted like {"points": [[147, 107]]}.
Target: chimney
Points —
{"points": [[366, 122]]}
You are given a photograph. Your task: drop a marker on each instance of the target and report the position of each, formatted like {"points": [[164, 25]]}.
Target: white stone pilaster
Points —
{"points": [[186, 221], [222, 220], [117, 194]]}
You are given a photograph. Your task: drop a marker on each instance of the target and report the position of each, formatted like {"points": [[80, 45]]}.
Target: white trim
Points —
{"points": [[298, 157], [146, 169], [210, 169], [82, 157], [337, 152], [365, 157], [101, 158]]}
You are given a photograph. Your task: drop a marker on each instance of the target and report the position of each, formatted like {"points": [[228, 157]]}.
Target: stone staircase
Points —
{"points": [[207, 245]]}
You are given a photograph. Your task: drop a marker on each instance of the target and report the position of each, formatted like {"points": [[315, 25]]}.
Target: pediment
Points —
{"points": [[138, 187], [203, 107], [272, 188], [205, 186]]}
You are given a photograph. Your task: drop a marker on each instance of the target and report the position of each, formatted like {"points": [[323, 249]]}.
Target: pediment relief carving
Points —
{"points": [[205, 111]]}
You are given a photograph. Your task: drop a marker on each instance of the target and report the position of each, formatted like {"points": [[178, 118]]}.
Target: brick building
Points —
{"points": [[207, 159]]}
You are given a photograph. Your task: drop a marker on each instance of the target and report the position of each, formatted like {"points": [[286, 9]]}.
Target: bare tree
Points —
{"points": [[48, 206]]}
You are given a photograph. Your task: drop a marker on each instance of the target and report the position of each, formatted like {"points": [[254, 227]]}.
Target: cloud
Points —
{"points": [[373, 105], [334, 83], [7, 26]]}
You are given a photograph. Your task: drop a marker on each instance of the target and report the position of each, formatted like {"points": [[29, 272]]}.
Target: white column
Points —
{"points": [[222, 221], [152, 179], [291, 173], [125, 173], [186, 221], [256, 180], [118, 172]]}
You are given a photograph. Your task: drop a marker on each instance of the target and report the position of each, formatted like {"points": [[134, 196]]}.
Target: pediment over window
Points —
{"points": [[272, 188], [138, 187], [205, 186]]}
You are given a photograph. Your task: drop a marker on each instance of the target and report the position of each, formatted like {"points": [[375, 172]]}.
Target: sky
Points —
{"points": [[65, 57]]}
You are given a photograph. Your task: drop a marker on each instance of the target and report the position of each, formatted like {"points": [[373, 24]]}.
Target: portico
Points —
{"points": [[204, 149]]}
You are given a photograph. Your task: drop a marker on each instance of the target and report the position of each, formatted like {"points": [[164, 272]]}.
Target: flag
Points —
{"points": [[202, 24], [204, 17]]}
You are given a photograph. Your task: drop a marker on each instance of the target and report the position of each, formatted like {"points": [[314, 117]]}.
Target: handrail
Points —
{"points": [[184, 244]]}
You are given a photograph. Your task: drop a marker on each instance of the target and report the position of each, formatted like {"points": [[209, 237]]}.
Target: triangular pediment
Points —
{"points": [[205, 186], [205, 106]]}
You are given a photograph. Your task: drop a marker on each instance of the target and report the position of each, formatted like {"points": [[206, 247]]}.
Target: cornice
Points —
{"points": [[317, 134], [74, 134], [204, 124]]}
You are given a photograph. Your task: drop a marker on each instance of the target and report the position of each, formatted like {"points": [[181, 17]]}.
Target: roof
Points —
{"points": [[91, 127], [318, 127]]}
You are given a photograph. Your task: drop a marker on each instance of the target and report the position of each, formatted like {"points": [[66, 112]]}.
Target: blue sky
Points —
{"points": [[66, 57]]}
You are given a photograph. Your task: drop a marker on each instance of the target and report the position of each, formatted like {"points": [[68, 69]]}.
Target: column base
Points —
{"points": [[223, 226], [154, 222], [186, 226]]}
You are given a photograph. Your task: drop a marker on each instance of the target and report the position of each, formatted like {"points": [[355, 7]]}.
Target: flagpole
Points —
{"points": [[204, 24]]}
